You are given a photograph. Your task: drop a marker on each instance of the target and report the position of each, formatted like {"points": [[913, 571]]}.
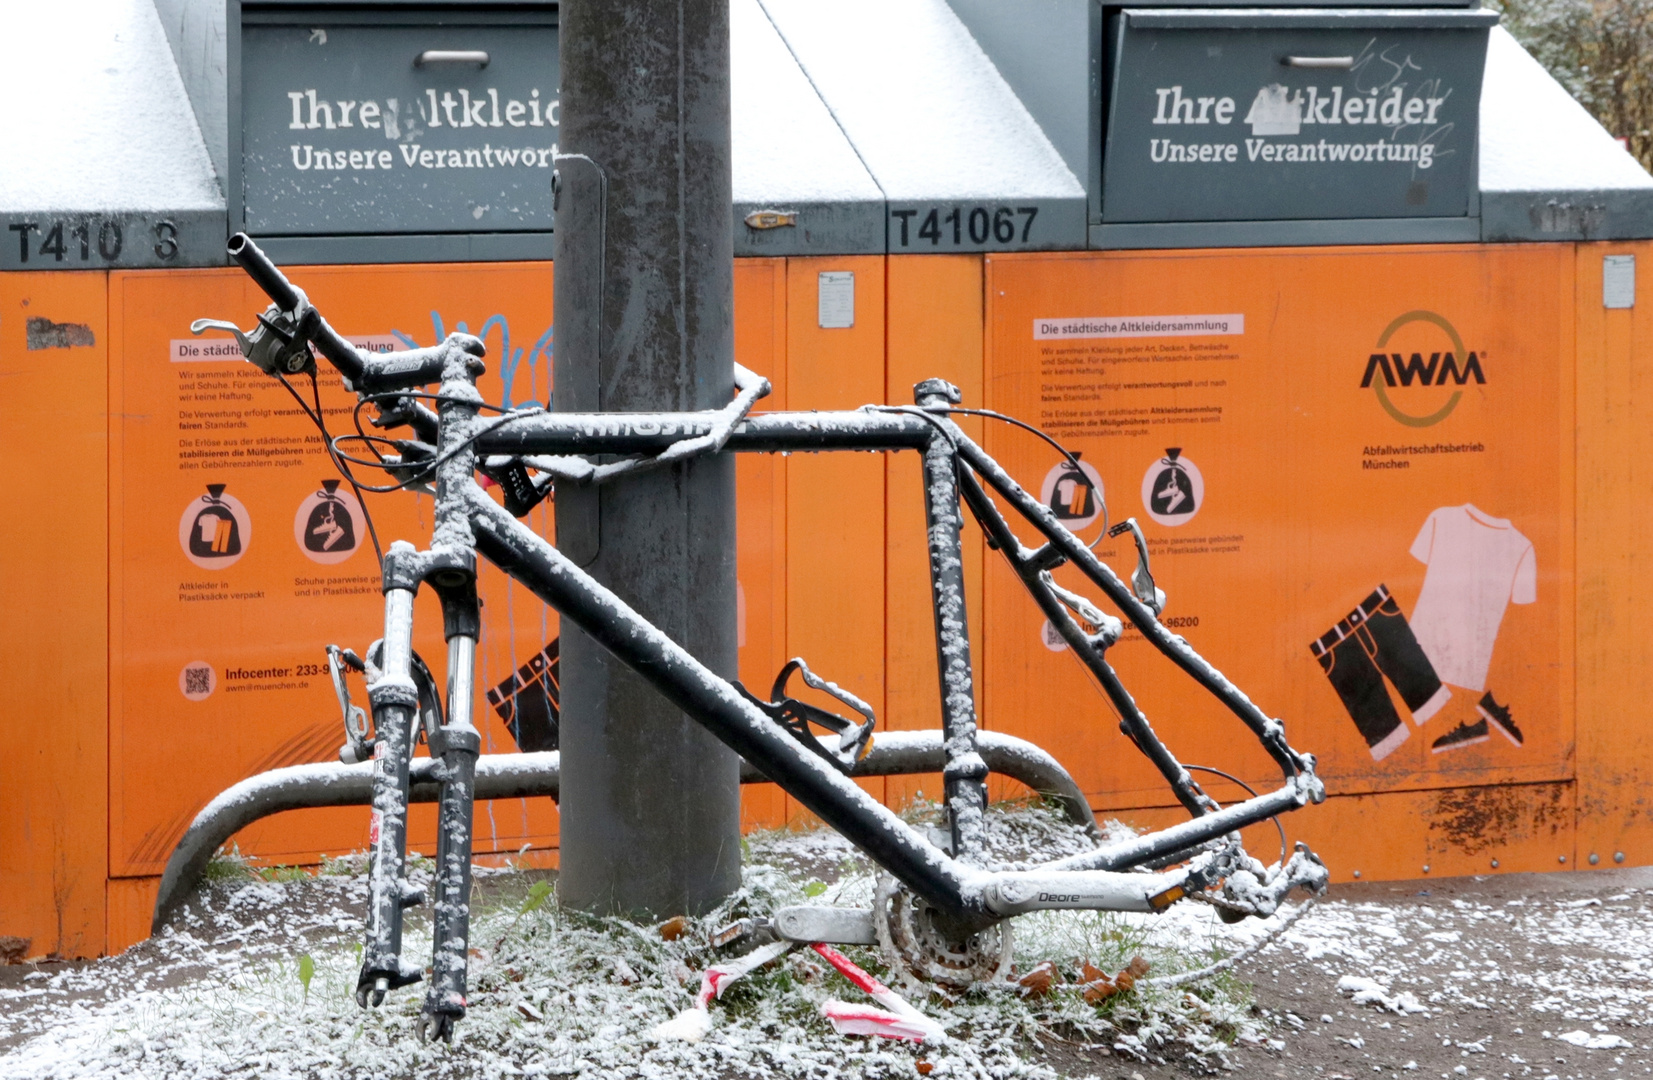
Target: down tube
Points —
{"points": [[716, 705]]}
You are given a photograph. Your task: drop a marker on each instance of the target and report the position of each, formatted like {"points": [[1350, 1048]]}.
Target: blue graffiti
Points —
{"points": [[538, 356]]}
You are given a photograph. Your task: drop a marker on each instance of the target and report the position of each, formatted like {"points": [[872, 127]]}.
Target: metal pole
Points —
{"points": [[644, 316]]}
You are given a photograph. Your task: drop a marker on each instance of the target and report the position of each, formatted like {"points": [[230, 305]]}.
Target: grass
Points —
{"points": [[557, 992]]}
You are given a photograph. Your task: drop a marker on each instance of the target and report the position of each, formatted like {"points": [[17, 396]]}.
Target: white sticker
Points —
{"points": [[1053, 640], [1073, 495], [836, 300], [329, 524], [1618, 281], [215, 529], [1132, 326], [1173, 489]]}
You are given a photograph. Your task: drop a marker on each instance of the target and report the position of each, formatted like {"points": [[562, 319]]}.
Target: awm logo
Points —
{"points": [[1386, 371]]}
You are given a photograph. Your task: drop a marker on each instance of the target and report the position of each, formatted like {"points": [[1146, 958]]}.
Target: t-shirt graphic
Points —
{"points": [[1478, 564]]}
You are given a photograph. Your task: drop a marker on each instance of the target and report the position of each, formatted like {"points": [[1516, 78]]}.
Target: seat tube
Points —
{"points": [[964, 776], [395, 706]]}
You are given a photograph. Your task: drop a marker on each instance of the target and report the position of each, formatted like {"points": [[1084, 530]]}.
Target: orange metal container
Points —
{"points": [[1314, 489]]}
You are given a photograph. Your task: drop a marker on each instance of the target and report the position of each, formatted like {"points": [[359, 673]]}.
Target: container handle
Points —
{"points": [[451, 56], [1343, 63]]}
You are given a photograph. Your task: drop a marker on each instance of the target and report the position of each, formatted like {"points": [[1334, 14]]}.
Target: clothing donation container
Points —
{"points": [[1339, 302]]}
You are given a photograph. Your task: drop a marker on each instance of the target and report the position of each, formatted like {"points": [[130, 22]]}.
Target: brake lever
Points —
{"points": [[1142, 578], [357, 747], [276, 346]]}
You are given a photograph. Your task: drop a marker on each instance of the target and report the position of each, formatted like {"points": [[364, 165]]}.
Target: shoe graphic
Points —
{"points": [[1499, 717], [1460, 736]]}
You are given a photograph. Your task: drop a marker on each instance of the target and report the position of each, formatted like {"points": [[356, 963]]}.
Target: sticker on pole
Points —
{"points": [[215, 529], [328, 525], [1073, 495], [1173, 489]]}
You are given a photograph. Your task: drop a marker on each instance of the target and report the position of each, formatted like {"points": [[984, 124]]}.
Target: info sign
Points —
{"points": [[397, 129], [1350, 471], [1271, 115], [241, 553]]}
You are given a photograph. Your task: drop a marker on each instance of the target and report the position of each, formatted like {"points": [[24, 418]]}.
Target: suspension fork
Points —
{"points": [[450, 567], [395, 705]]}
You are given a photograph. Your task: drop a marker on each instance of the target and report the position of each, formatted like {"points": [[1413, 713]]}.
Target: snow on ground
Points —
{"points": [[1460, 984]]}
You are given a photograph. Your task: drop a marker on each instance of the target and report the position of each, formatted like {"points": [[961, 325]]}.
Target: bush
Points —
{"points": [[1602, 52]]}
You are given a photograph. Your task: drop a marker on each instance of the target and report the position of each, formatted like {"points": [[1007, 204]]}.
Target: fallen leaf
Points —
{"points": [[1037, 983], [673, 928], [925, 1068], [1133, 971], [1099, 990]]}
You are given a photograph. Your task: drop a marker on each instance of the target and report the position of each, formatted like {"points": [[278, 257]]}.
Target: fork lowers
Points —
{"points": [[395, 705], [458, 744]]}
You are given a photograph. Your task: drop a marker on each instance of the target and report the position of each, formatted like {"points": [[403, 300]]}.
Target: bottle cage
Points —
{"points": [[796, 716]]}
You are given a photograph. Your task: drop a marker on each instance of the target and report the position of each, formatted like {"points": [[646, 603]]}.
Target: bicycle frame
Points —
{"points": [[956, 883]]}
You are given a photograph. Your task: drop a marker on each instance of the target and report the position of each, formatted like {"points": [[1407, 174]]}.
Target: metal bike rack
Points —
{"points": [[517, 776]]}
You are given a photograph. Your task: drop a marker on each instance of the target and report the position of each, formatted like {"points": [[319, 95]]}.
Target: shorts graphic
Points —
{"points": [[1373, 643]]}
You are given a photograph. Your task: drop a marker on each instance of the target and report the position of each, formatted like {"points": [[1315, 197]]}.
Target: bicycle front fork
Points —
{"points": [[455, 744]]}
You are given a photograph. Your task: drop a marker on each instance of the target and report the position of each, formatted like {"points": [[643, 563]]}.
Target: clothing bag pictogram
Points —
{"points": [[1074, 496], [215, 533], [1172, 491], [330, 527]]}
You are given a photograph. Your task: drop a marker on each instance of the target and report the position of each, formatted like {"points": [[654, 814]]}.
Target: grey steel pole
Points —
{"points": [[644, 316]]}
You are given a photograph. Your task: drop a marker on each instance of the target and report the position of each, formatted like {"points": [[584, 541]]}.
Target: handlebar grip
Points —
{"points": [[263, 272]]}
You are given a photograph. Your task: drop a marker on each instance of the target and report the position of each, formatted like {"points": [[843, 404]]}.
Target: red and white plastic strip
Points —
{"points": [[692, 1024], [896, 1020]]}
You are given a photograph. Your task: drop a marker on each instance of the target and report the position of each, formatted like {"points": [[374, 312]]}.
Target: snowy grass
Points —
{"points": [[557, 993]]}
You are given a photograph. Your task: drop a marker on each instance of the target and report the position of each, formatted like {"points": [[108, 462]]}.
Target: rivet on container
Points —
{"points": [[1426, 868], [1561, 858], [1618, 856], [1357, 872], [1594, 858], [1495, 864]]}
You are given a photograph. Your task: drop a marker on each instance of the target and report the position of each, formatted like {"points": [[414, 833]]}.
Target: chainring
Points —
{"points": [[916, 946]]}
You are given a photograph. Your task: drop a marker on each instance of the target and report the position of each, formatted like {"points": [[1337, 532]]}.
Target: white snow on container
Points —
{"points": [[1535, 137], [786, 145], [105, 125], [924, 106]]}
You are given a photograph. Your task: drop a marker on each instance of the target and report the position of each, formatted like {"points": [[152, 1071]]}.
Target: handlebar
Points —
{"points": [[363, 373], [264, 273]]}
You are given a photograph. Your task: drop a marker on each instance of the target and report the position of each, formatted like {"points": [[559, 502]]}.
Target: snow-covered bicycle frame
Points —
{"points": [[940, 908]]}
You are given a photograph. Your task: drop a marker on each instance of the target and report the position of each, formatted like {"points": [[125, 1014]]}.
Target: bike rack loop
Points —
{"points": [[512, 776]]}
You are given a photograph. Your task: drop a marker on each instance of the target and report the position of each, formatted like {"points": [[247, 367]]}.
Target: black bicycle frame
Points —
{"points": [[455, 440]]}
